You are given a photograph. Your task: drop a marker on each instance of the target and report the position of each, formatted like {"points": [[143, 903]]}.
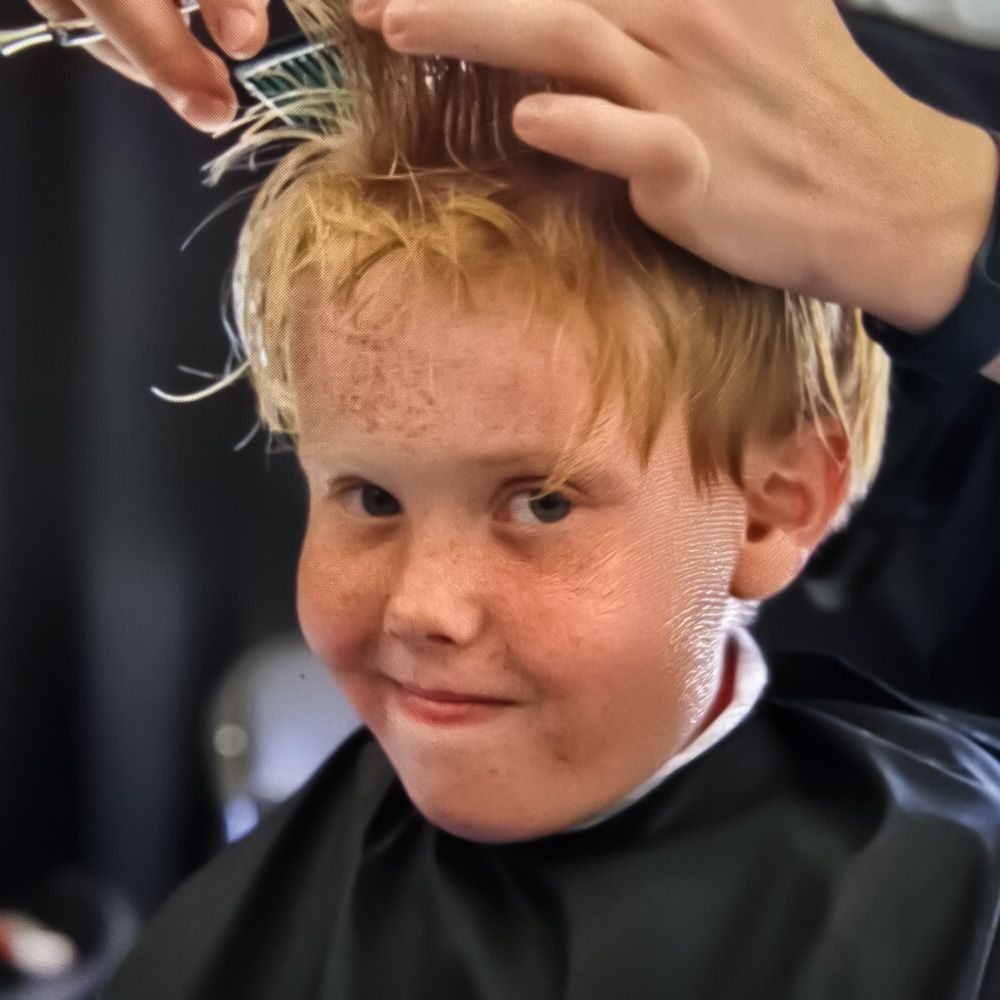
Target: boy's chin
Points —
{"points": [[495, 823], [480, 832]]}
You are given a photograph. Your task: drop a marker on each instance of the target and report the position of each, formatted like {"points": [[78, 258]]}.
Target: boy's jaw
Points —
{"points": [[510, 771]]}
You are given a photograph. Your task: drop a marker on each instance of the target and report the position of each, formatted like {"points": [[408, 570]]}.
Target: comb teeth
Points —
{"points": [[282, 70]]}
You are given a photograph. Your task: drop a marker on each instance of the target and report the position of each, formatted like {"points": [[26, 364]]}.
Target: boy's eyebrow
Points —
{"points": [[493, 460], [510, 457]]}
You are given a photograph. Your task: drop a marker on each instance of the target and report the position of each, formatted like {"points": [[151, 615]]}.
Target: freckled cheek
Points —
{"points": [[336, 615], [564, 739], [575, 673]]}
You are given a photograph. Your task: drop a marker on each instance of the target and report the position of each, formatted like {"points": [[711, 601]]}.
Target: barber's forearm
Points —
{"points": [[940, 229], [945, 258], [982, 184]]}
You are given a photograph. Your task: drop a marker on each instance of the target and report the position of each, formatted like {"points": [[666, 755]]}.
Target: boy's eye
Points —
{"points": [[549, 507], [544, 508], [375, 501]]}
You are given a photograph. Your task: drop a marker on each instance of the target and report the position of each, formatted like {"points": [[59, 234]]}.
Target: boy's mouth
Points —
{"points": [[448, 696], [438, 707]]}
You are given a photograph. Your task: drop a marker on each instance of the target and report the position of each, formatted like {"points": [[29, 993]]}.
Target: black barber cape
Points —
{"points": [[841, 843]]}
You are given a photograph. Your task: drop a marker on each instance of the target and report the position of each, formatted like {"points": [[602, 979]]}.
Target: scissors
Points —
{"points": [[280, 67], [68, 34]]}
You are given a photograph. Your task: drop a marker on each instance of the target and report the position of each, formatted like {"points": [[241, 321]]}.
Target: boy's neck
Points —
{"points": [[725, 691]]}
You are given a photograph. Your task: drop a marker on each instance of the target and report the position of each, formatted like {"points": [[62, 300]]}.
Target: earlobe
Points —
{"points": [[792, 492]]}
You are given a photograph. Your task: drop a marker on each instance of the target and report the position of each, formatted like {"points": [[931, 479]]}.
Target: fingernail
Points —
{"points": [[398, 16], [238, 30], [525, 117], [207, 111], [529, 113]]}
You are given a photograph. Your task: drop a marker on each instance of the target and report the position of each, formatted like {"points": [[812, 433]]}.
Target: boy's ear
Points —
{"points": [[793, 488]]}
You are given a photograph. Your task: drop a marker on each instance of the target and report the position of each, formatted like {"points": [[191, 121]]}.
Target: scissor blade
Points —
{"points": [[14, 41]]}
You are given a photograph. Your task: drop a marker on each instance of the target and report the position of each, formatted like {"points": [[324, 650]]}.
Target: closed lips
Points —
{"points": [[450, 696]]}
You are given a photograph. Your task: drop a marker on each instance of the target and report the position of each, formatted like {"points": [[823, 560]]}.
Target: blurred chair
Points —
{"points": [[276, 716], [99, 919]]}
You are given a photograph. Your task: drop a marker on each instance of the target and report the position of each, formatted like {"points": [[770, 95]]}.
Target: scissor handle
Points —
{"points": [[68, 34]]}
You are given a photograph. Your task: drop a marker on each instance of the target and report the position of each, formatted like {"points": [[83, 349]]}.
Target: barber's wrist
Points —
{"points": [[966, 341], [941, 231]]}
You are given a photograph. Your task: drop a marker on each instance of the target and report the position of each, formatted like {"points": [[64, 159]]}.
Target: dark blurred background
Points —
{"points": [[140, 554]]}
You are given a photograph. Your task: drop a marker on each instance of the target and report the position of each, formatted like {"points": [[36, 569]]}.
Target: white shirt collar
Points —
{"points": [[750, 681]]}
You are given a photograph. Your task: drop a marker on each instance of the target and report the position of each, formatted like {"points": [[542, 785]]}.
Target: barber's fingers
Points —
{"points": [[570, 41], [105, 51], [156, 42], [187, 99], [239, 27], [55, 11]]}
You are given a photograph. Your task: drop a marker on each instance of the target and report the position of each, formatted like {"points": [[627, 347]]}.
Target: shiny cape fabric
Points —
{"points": [[842, 843]]}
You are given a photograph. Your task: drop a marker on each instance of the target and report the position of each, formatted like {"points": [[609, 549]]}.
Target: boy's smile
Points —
{"points": [[597, 614]]}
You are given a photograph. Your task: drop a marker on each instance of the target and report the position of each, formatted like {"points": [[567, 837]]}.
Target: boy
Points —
{"points": [[554, 462]]}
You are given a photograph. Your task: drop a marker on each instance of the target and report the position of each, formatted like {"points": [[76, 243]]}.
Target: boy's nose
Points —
{"points": [[434, 597]]}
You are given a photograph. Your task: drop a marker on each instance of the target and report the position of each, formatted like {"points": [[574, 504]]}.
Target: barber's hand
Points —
{"points": [[754, 133], [150, 42]]}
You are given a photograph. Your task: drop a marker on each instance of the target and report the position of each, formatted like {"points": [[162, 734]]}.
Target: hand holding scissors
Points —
{"points": [[150, 42]]}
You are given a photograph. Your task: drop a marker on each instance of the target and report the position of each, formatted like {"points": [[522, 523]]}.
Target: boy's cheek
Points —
{"points": [[309, 608], [331, 611]]}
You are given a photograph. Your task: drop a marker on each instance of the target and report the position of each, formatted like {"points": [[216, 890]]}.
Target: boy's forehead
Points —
{"points": [[392, 311], [403, 375], [439, 412], [402, 366]]}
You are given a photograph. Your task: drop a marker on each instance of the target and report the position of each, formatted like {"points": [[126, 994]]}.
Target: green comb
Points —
{"points": [[284, 65]]}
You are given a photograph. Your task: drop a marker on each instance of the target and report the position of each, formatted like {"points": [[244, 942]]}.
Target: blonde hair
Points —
{"points": [[413, 160]]}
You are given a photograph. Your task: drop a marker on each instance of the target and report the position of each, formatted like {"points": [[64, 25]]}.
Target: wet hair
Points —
{"points": [[413, 161]]}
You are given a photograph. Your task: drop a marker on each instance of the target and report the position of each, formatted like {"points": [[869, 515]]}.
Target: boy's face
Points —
{"points": [[595, 615]]}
